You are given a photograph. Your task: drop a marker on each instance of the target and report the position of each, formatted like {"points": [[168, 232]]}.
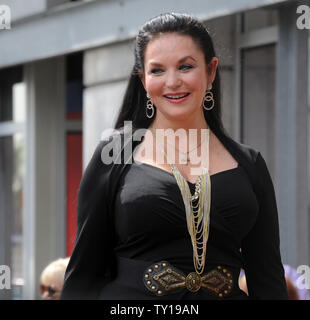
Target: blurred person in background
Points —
{"points": [[52, 279], [291, 276]]}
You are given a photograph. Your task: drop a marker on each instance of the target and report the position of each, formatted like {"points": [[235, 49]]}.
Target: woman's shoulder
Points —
{"points": [[241, 150], [250, 152], [254, 164]]}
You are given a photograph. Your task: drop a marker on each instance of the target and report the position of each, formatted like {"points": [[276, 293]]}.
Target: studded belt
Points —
{"points": [[162, 278]]}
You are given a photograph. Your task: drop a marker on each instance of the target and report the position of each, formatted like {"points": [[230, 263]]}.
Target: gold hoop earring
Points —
{"points": [[209, 99], [149, 106]]}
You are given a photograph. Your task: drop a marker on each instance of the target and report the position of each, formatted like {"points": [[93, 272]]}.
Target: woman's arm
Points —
{"points": [[261, 246], [92, 257]]}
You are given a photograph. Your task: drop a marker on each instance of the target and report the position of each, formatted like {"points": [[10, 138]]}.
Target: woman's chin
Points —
{"points": [[183, 116]]}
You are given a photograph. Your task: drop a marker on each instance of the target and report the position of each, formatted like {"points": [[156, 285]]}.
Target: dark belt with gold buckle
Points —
{"points": [[161, 278]]}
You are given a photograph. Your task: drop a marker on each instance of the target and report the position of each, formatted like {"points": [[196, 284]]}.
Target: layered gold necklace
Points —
{"points": [[197, 208]]}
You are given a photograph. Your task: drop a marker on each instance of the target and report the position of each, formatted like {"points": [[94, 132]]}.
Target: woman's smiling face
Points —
{"points": [[176, 76]]}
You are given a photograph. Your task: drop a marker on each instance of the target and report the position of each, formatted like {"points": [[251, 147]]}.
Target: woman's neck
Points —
{"points": [[162, 123]]}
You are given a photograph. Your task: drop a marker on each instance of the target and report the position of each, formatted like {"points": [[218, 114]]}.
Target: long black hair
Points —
{"points": [[134, 102]]}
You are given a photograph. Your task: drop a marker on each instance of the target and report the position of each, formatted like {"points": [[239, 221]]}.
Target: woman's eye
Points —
{"points": [[156, 71], [185, 67]]}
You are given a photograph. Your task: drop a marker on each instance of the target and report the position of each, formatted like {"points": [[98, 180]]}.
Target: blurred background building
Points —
{"points": [[64, 66]]}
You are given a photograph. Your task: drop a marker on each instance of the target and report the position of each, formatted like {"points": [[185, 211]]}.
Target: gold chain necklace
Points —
{"points": [[197, 208]]}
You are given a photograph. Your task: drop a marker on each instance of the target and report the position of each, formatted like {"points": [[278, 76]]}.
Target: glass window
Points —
{"points": [[11, 209], [19, 102], [8, 79], [12, 112], [74, 77]]}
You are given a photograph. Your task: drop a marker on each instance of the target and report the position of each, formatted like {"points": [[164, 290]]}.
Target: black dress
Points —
{"points": [[132, 216]]}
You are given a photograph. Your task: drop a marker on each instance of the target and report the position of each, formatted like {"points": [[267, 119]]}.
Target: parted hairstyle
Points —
{"points": [[134, 101]]}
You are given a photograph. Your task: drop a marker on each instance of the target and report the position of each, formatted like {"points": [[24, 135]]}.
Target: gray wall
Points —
{"points": [[85, 24], [291, 135], [23, 9], [106, 72]]}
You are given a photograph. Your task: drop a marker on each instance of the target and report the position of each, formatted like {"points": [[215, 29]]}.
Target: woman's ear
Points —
{"points": [[211, 69]]}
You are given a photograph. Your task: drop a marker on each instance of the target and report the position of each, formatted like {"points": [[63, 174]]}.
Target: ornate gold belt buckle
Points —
{"points": [[193, 282], [162, 278]]}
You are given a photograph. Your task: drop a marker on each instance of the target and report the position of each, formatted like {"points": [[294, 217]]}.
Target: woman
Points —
{"points": [[180, 228]]}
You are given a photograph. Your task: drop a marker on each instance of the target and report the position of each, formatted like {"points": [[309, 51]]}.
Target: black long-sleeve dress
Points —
{"points": [[131, 215]]}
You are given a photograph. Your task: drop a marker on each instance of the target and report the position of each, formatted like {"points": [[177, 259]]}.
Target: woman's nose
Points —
{"points": [[173, 80]]}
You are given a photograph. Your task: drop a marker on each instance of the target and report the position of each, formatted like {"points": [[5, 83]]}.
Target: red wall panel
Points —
{"points": [[74, 175]]}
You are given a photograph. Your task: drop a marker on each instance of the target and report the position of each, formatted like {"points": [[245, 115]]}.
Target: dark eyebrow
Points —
{"points": [[187, 57], [156, 64]]}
